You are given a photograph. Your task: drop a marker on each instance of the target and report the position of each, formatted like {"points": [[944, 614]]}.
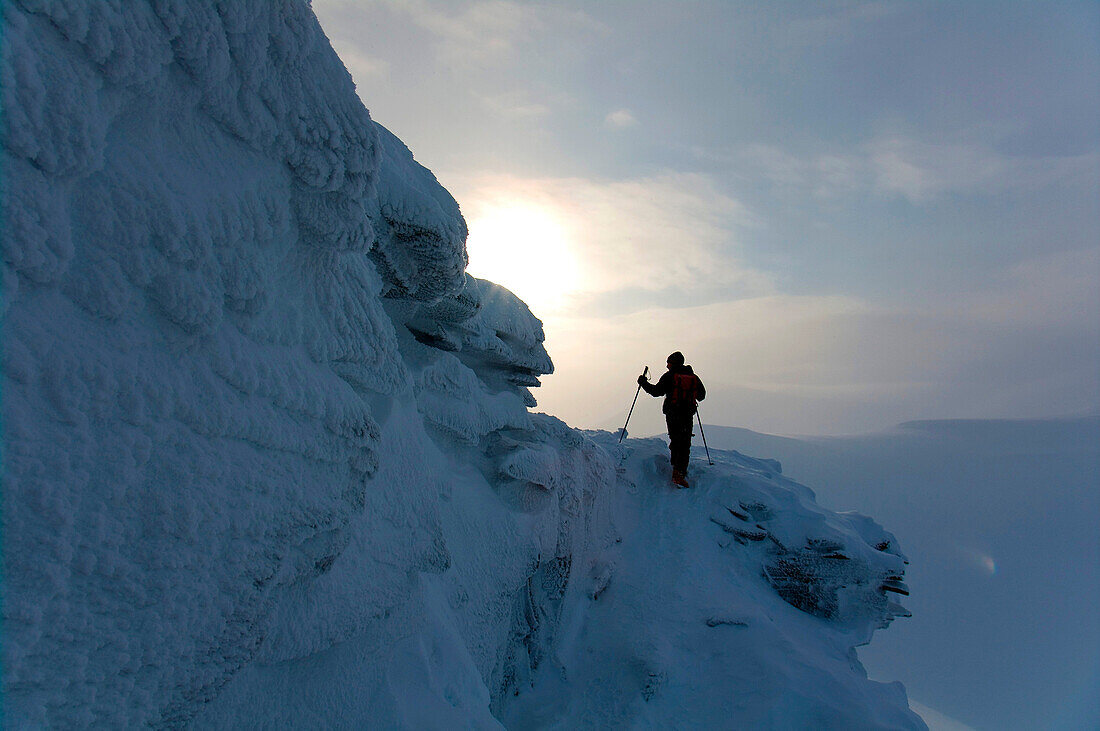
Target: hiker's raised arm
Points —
{"points": [[660, 388]]}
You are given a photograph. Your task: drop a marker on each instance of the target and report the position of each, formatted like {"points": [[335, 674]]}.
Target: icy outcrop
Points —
{"points": [[489, 330], [678, 623], [268, 454], [421, 247]]}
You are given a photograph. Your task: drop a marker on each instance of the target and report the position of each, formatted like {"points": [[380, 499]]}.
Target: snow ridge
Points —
{"points": [[268, 458]]}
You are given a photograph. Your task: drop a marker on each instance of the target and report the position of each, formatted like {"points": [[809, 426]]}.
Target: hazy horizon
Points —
{"points": [[1003, 634], [1053, 418], [846, 215]]}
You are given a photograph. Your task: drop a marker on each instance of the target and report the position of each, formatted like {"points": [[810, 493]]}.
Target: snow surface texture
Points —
{"points": [[268, 459], [1018, 645]]}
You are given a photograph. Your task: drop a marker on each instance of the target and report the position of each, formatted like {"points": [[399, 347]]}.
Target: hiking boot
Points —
{"points": [[679, 479]]}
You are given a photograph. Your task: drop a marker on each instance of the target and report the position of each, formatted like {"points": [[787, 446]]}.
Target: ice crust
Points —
{"points": [[268, 458]]}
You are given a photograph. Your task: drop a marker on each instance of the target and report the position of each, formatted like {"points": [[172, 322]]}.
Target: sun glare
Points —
{"points": [[523, 246]]}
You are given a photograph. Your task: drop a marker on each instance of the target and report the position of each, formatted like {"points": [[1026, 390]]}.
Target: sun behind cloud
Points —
{"points": [[525, 247]]}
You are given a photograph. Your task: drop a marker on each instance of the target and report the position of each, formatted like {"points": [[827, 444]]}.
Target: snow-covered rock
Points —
{"points": [[268, 459]]}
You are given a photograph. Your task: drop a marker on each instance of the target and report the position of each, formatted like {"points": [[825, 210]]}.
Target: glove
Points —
{"points": [[642, 379]]}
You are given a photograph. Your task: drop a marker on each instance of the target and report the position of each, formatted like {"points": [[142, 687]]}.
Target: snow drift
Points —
{"points": [[268, 458]]}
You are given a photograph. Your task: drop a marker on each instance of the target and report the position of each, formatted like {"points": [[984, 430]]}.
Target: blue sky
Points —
{"points": [[846, 215]]}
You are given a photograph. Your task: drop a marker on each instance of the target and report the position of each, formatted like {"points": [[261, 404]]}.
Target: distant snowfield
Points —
{"points": [[269, 458], [1000, 521]]}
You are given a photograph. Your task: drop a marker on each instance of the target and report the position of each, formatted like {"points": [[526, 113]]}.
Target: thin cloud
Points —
{"points": [[649, 235], [476, 32], [841, 24], [921, 171], [824, 175], [487, 32], [515, 105], [620, 119], [900, 166], [1061, 290]]}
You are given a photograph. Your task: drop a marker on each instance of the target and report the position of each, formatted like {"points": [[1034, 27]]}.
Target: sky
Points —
{"points": [[845, 214]]}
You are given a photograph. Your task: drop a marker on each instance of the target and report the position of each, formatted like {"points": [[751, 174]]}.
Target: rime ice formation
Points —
{"points": [[267, 448]]}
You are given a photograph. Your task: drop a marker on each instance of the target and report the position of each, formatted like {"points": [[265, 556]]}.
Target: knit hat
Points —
{"points": [[676, 359]]}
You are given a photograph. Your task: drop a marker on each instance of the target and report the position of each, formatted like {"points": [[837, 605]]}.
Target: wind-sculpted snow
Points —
{"points": [[421, 247], [489, 330], [193, 337], [268, 459]]}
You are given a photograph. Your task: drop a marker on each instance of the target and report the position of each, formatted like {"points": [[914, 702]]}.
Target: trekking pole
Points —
{"points": [[623, 433], [704, 436]]}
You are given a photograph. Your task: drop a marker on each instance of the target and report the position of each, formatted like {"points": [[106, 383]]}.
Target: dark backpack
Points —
{"points": [[684, 395]]}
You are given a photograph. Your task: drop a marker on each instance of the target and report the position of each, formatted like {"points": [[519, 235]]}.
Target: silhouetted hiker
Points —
{"points": [[682, 390]]}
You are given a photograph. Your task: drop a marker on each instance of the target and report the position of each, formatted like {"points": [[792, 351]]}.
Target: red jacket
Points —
{"points": [[683, 398]]}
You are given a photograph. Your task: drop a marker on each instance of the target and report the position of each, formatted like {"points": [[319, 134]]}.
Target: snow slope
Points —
{"points": [[702, 615], [268, 458], [999, 515], [633, 605]]}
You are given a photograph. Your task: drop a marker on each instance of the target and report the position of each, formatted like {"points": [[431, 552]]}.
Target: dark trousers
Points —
{"points": [[679, 438]]}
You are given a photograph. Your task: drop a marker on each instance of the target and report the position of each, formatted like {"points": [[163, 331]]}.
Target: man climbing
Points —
{"points": [[682, 390]]}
